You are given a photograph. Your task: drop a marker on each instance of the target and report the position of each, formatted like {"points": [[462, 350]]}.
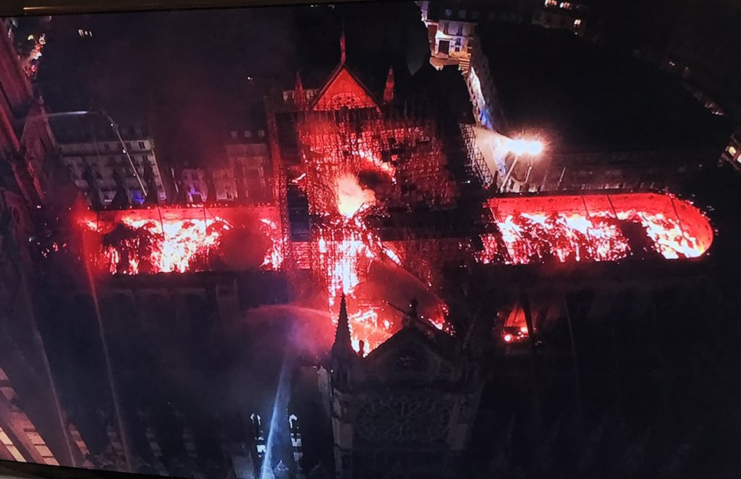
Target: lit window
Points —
{"points": [[247, 134], [565, 5], [261, 133], [448, 12], [732, 150], [577, 22], [233, 133], [551, 3]]}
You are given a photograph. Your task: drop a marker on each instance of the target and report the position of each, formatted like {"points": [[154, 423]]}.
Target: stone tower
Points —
{"points": [[406, 409]]}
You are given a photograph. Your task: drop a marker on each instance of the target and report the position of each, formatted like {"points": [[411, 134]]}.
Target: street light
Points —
{"points": [[521, 147]]}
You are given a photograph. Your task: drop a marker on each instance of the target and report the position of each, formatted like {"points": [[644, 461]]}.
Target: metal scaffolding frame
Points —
{"points": [[401, 148], [372, 140]]}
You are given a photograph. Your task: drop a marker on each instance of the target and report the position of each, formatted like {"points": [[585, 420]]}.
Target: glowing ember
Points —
{"points": [[390, 254], [357, 163], [376, 163], [366, 326], [346, 249], [274, 256], [147, 246], [351, 197], [164, 240], [605, 229]]}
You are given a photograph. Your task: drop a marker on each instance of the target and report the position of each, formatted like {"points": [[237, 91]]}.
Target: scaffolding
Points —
{"points": [[398, 154], [477, 163], [418, 194]]}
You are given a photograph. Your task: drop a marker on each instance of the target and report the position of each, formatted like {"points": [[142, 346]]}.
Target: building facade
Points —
{"points": [[450, 29], [570, 16], [33, 427], [406, 409], [26, 145], [631, 170], [193, 185], [243, 179], [99, 165], [732, 153], [248, 156], [209, 185]]}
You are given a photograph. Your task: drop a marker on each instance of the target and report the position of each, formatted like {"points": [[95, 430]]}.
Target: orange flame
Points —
{"points": [[274, 256], [346, 249], [551, 230], [137, 245], [351, 197]]}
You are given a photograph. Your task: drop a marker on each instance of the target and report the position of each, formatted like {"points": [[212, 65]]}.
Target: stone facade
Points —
{"points": [[407, 408]]}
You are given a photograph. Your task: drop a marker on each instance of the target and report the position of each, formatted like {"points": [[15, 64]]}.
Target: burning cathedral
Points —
{"points": [[382, 197]]}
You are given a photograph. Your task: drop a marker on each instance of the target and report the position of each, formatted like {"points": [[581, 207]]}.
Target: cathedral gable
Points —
{"points": [[407, 356], [343, 90]]}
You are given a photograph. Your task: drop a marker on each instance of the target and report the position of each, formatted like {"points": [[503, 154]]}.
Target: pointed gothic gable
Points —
{"points": [[408, 356], [343, 89]]}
